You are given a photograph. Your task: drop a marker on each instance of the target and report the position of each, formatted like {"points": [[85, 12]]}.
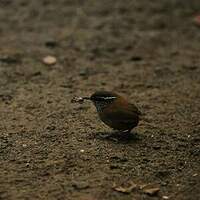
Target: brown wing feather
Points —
{"points": [[119, 114]]}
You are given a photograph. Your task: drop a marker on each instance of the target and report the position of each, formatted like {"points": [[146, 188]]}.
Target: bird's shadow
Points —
{"points": [[118, 137]]}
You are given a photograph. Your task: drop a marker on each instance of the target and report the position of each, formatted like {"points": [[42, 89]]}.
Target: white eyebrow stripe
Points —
{"points": [[108, 98]]}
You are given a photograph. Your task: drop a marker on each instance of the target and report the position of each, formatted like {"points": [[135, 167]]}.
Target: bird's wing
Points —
{"points": [[123, 115]]}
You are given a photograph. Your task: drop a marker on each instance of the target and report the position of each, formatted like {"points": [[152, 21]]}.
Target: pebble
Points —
{"points": [[165, 197], [80, 185], [195, 174], [51, 43], [49, 60]]}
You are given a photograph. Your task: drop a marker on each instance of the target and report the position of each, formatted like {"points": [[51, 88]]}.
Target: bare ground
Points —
{"points": [[146, 50]]}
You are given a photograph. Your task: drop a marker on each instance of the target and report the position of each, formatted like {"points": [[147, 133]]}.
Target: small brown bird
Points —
{"points": [[115, 111]]}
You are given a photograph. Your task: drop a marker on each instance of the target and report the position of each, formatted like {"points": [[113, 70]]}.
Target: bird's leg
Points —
{"points": [[121, 133], [127, 131], [111, 136]]}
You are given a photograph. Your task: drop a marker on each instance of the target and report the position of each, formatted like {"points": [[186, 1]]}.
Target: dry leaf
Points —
{"points": [[150, 190], [127, 189]]}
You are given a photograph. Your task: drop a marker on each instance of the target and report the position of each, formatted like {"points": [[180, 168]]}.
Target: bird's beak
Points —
{"points": [[86, 98]]}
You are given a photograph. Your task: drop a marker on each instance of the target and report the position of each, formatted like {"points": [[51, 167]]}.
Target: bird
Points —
{"points": [[115, 111]]}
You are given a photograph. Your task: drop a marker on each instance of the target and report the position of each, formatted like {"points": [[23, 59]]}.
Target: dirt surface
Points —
{"points": [[53, 149]]}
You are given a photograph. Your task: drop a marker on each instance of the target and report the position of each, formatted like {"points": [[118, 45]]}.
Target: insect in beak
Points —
{"points": [[79, 99]]}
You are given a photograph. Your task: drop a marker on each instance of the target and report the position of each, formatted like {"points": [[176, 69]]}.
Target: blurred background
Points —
{"points": [[51, 51]]}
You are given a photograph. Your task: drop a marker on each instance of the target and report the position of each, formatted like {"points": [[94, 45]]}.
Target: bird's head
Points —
{"points": [[102, 99]]}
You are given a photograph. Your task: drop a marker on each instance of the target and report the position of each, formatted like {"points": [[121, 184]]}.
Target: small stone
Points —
{"points": [[156, 147], [51, 127], [82, 150], [24, 145], [10, 59], [37, 73], [83, 72], [51, 43], [49, 60], [115, 166], [195, 174], [135, 58], [165, 197], [6, 97], [80, 185]]}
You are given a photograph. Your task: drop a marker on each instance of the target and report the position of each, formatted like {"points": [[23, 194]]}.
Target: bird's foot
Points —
{"points": [[119, 136]]}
